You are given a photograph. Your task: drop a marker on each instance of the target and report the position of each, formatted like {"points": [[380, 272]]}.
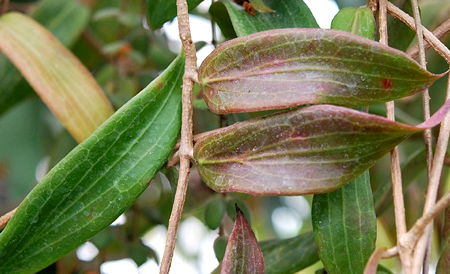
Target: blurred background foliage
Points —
{"points": [[126, 44]]}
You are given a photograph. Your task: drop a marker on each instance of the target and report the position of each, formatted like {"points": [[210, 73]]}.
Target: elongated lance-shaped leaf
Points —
{"points": [[161, 11], [242, 254], [96, 181], [282, 68], [289, 255], [62, 82], [314, 149], [344, 225], [287, 14], [65, 19]]}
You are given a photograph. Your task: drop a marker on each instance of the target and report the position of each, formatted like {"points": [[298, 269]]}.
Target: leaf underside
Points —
{"points": [[242, 254], [98, 180], [283, 68], [314, 149]]}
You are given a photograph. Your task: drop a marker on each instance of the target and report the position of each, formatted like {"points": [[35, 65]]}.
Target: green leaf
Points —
{"points": [[400, 35], [220, 244], [98, 180], [66, 20], [359, 21], [242, 254], [289, 255], [161, 11], [344, 225], [282, 68], [288, 14], [214, 212], [314, 149], [59, 78], [219, 14]]}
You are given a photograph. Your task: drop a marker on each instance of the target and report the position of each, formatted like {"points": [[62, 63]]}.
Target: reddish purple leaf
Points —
{"points": [[314, 149], [282, 68], [243, 254]]}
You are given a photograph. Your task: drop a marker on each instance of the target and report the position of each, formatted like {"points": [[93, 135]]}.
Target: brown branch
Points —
{"points": [[5, 218], [190, 75], [397, 188], [432, 191], [391, 252], [5, 6], [410, 239], [427, 135], [437, 45], [372, 263], [439, 32]]}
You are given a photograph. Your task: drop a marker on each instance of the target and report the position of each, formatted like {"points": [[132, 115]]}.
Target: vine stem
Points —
{"points": [[437, 45], [397, 188], [185, 151], [435, 176], [438, 32], [427, 135]]}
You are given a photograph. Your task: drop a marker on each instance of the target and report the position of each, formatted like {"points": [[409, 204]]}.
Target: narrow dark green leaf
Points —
{"points": [[400, 35], [359, 21], [66, 20], [289, 255], [344, 224], [219, 14], [242, 254], [98, 180], [288, 14], [282, 68], [161, 11], [314, 149]]}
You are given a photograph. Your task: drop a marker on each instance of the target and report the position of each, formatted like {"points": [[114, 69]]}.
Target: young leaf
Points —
{"points": [[288, 14], [242, 254], [260, 6], [98, 180], [71, 19], [289, 255], [359, 21], [315, 149], [214, 212], [282, 68], [344, 224], [161, 11], [62, 82]]}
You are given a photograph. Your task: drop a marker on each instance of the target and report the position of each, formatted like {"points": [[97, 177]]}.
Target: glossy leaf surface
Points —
{"points": [[71, 18], [98, 180], [59, 78], [314, 149], [289, 255], [242, 254], [282, 68], [344, 225], [359, 21], [161, 11], [288, 14]]}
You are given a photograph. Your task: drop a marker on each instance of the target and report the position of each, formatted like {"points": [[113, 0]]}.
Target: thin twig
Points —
{"points": [[372, 263], [397, 188], [391, 252], [438, 32], [437, 45], [427, 135], [433, 185], [190, 75], [5, 218], [410, 239]]}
